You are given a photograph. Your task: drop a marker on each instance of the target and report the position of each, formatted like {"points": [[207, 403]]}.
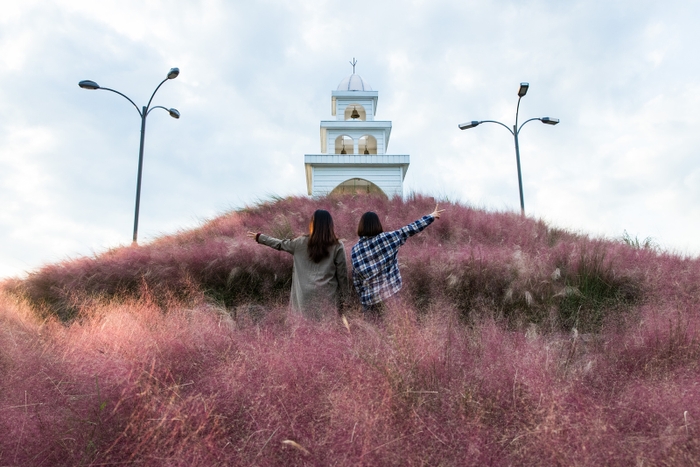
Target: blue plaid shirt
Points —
{"points": [[375, 264]]}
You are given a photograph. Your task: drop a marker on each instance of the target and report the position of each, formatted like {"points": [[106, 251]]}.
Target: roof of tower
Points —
{"points": [[354, 82]]}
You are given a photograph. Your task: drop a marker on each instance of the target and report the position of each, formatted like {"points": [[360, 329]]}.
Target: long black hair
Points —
{"points": [[322, 235], [369, 225]]}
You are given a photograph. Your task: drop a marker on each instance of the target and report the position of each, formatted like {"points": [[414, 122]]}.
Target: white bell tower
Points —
{"points": [[353, 155]]}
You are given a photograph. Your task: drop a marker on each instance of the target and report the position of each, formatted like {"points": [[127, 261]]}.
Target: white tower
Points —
{"points": [[353, 155]]}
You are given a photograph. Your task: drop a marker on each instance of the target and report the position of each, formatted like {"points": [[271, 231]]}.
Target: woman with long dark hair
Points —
{"points": [[375, 264], [319, 274]]}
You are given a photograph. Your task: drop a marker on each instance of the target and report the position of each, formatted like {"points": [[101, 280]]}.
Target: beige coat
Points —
{"points": [[317, 288]]}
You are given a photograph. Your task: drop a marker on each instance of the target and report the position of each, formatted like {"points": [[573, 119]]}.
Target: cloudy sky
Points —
{"points": [[256, 79]]}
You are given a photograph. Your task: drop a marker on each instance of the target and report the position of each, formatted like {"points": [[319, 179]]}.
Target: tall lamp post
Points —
{"points": [[515, 132], [143, 113]]}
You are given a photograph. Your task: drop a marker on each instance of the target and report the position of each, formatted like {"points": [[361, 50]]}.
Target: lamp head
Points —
{"points": [[172, 74], [523, 89], [174, 113], [87, 84], [466, 126], [549, 121]]}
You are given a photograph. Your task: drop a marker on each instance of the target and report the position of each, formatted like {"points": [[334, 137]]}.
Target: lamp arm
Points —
{"points": [[125, 97], [517, 110], [529, 120], [158, 107], [154, 92], [503, 125]]}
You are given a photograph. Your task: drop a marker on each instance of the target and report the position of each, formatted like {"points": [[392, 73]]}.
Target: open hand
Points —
{"points": [[437, 212], [252, 234]]}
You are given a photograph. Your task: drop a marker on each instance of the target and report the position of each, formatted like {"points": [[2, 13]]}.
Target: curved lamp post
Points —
{"points": [[143, 113], [515, 132]]}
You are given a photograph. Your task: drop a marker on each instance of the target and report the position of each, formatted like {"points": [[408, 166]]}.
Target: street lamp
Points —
{"points": [[515, 132], [143, 113]]}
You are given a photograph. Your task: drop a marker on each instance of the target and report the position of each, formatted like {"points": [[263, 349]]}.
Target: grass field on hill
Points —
{"points": [[513, 343]]}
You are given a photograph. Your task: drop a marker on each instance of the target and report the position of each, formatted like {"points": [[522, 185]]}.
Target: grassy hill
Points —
{"points": [[514, 343]]}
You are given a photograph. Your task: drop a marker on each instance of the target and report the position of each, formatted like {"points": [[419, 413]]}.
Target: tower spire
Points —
{"points": [[353, 63]]}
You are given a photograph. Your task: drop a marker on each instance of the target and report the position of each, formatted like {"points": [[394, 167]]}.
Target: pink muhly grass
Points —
{"points": [[194, 387], [511, 343], [79, 391], [497, 260]]}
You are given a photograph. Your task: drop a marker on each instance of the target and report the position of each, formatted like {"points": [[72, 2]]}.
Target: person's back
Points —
{"points": [[319, 274], [315, 285], [375, 268]]}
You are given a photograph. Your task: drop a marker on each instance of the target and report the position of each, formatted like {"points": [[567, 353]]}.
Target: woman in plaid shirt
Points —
{"points": [[375, 265]]}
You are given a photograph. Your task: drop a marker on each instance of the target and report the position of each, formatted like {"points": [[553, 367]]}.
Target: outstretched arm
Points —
{"points": [[272, 242], [417, 226]]}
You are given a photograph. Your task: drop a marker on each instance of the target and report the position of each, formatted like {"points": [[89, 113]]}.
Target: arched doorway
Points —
{"points": [[357, 186]]}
